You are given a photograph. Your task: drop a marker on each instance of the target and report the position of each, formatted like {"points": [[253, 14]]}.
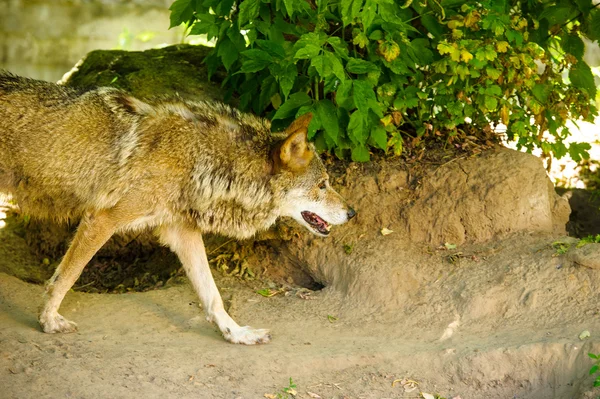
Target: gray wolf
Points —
{"points": [[182, 168]]}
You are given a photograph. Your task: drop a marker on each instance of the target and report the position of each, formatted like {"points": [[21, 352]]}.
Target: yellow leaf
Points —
{"points": [[502, 47], [385, 231], [465, 55], [386, 120], [504, 114]]}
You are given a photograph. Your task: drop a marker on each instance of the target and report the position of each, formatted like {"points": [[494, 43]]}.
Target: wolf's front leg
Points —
{"points": [[93, 231], [187, 243]]}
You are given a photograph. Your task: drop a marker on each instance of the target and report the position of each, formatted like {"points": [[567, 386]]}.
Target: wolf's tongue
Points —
{"points": [[315, 220]]}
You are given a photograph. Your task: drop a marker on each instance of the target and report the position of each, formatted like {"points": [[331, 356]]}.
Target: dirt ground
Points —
{"points": [[491, 318]]}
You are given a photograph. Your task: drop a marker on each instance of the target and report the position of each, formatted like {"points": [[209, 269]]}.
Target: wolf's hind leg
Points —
{"points": [[188, 245], [93, 231]]}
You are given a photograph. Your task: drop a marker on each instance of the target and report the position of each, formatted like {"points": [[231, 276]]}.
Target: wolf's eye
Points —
{"points": [[323, 185]]}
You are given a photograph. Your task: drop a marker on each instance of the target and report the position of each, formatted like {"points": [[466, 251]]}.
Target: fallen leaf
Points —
{"points": [[584, 334], [331, 318], [407, 384], [291, 391], [427, 395], [449, 246], [270, 396], [385, 231], [267, 292], [313, 395]]}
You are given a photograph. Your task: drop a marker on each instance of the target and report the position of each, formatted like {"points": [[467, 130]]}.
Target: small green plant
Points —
{"points": [[595, 368], [591, 239], [288, 392], [561, 247]]}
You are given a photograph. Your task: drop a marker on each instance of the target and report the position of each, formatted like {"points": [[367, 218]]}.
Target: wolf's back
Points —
{"points": [[57, 146]]}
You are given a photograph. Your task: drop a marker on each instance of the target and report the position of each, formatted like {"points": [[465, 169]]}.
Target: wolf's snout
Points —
{"points": [[351, 213]]}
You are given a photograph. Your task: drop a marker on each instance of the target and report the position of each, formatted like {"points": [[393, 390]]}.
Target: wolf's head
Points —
{"points": [[307, 195]]}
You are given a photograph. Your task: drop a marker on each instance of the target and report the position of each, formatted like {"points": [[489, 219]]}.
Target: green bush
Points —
{"points": [[383, 74]]}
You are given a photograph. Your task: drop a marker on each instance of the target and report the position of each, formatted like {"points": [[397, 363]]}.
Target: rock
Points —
{"points": [[587, 255], [473, 200], [173, 70]]}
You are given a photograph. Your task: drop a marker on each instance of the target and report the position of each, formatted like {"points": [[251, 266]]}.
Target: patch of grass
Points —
{"points": [[561, 247], [591, 239]]}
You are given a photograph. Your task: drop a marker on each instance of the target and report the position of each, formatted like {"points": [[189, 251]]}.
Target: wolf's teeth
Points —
{"points": [[328, 227]]}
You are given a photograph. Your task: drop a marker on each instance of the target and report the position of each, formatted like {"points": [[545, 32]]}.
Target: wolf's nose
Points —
{"points": [[351, 213]]}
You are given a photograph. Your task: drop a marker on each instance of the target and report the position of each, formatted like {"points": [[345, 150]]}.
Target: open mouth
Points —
{"points": [[316, 222]]}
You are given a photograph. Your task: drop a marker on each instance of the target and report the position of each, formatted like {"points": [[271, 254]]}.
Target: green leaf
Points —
{"points": [[514, 36], [591, 355], [360, 154], [223, 8], [350, 9], [593, 369], [581, 77], [182, 12], [493, 72], [268, 87], [289, 6], [315, 123], [336, 65], [579, 151], [572, 44], [289, 107], [205, 24], [328, 117], [343, 95], [364, 96], [338, 46], [379, 137], [286, 81], [490, 103], [228, 52], [541, 92], [421, 48], [368, 13], [356, 128], [273, 48], [432, 25], [307, 52], [493, 90], [592, 26], [256, 54], [257, 60], [248, 12], [559, 14], [322, 65], [359, 66]]}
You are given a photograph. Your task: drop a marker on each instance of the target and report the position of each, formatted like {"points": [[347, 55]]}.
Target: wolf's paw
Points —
{"points": [[55, 323], [247, 335]]}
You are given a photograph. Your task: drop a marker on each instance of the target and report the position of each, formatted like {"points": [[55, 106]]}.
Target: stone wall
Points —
{"points": [[44, 38]]}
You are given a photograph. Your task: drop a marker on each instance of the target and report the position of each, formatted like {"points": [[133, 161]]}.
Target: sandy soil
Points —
{"points": [[501, 322]]}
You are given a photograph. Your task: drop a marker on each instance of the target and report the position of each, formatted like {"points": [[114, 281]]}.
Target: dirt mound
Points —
{"points": [[477, 199], [465, 202]]}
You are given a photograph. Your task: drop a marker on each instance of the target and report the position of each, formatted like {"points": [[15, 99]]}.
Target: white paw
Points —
{"points": [[54, 323], [247, 335]]}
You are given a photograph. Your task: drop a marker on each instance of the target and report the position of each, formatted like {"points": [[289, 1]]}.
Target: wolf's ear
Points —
{"points": [[294, 152]]}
